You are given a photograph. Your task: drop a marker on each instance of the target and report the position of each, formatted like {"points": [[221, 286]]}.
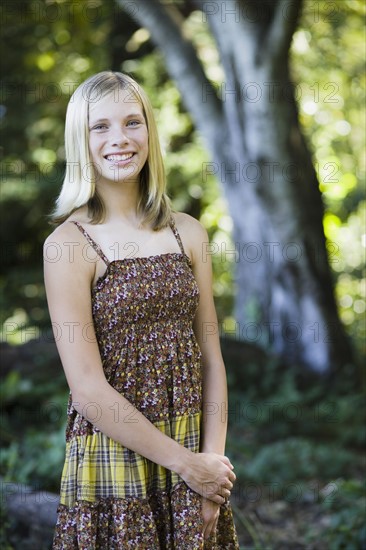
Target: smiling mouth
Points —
{"points": [[119, 157]]}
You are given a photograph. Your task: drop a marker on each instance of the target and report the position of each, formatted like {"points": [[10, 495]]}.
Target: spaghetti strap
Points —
{"points": [[177, 236], [92, 243]]}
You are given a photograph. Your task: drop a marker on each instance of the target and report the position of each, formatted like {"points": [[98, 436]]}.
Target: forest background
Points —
{"points": [[296, 437]]}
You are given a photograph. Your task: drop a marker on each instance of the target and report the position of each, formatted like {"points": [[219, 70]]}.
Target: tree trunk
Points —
{"points": [[284, 290]]}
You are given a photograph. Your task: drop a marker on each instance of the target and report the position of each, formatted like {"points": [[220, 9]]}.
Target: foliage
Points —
{"points": [[42, 44], [300, 444], [346, 515], [300, 435], [4, 528], [289, 443], [295, 458], [331, 105], [33, 430], [51, 47]]}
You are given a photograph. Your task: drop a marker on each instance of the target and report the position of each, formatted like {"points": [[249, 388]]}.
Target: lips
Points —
{"points": [[119, 157]]}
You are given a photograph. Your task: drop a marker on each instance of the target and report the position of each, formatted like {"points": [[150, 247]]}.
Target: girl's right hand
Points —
{"points": [[209, 474]]}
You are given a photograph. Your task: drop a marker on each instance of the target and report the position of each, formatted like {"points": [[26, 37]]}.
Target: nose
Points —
{"points": [[119, 136]]}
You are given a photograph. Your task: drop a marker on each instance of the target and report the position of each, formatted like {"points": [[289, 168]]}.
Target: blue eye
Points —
{"points": [[99, 127]]}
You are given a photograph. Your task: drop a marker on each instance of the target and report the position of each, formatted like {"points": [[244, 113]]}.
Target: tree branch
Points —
{"points": [[278, 39], [230, 89], [183, 65]]}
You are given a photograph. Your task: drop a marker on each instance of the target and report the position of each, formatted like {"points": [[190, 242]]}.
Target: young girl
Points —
{"points": [[129, 294]]}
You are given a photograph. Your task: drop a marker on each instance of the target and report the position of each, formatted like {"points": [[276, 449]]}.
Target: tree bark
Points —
{"points": [[284, 289]]}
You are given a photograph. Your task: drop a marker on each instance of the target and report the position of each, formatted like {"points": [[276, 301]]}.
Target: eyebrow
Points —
{"points": [[131, 115]]}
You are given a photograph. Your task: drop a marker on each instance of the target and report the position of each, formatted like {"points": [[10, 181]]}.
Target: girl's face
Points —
{"points": [[118, 137]]}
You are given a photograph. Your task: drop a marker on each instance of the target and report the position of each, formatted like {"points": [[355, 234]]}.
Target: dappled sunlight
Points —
{"points": [[296, 439]]}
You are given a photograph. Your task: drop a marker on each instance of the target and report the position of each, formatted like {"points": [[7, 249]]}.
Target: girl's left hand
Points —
{"points": [[210, 514]]}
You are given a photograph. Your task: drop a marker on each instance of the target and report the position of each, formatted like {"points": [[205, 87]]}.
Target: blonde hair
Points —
{"points": [[78, 187]]}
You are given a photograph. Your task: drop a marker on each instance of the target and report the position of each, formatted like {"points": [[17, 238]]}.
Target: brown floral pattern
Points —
{"points": [[143, 309]]}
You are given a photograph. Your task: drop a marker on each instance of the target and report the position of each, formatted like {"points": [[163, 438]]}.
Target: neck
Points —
{"points": [[120, 201]]}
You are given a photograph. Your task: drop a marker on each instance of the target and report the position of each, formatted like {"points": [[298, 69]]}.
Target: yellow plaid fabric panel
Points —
{"points": [[99, 467]]}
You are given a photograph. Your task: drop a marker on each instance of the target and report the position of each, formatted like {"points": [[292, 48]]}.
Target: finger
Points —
{"points": [[229, 477], [225, 493], [232, 476], [210, 528], [226, 461], [206, 530], [229, 473], [216, 498], [231, 466]]}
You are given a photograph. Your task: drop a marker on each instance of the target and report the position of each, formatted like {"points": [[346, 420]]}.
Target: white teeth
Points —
{"points": [[119, 157]]}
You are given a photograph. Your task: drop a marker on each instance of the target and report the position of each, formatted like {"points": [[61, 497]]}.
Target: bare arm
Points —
{"points": [[68, 285], [214, 417]]}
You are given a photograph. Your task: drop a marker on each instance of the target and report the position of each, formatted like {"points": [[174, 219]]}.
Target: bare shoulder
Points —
{"points": [[189, 228], [62, 235], [68, 230], [65, 246], [193, 234]]}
